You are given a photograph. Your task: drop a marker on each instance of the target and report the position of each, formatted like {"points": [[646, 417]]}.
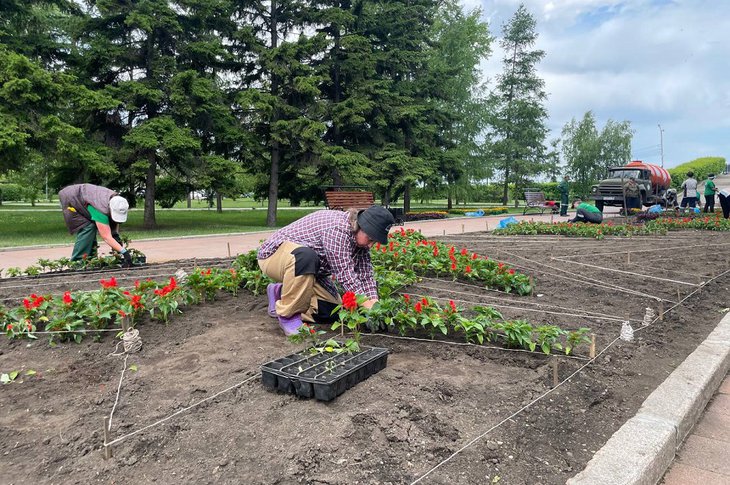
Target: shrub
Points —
{"points": [[701, 167]]}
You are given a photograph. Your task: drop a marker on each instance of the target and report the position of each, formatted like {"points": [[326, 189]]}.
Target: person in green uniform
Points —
{"points": [[90, 209], [710, 190], [586, 213], [564, 188]]}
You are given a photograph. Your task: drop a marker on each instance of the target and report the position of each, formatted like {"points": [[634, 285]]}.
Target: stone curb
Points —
{"points": [[640, 452]]}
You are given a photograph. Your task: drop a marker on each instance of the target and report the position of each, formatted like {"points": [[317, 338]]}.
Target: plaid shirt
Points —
{"points": [[329, 234]]}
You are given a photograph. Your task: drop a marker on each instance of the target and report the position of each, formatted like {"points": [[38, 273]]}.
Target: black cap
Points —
{"points": [[375, 222]]}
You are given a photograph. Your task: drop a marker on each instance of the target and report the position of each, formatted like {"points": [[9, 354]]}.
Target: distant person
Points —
{"points": [[689, 191], [304, 255], [586, 213], [564, 189], [724, 196], [633, 195], [90, 209], [710, 190]]}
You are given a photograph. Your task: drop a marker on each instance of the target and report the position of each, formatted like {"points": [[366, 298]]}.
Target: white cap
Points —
{"points": [[119, 208]]}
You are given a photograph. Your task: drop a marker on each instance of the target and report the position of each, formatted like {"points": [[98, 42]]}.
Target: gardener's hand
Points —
{"points": [[369, 303], [127, 263]]}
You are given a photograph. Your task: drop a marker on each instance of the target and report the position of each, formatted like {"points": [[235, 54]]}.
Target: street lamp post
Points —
{"points": [[661, 142]]}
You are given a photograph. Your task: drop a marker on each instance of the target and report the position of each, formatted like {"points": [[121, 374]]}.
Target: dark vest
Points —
{"points": [[77, 197]]}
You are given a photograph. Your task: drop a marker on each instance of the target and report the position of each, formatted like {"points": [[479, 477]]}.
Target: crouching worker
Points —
{"points": [[303, 255], [88, 209], [586, 213]]}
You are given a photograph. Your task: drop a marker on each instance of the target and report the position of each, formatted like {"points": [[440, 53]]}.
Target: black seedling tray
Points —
{"points": [[323, 376]]}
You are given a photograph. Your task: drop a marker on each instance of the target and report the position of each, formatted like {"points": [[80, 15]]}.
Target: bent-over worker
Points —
{"points": [[88, 209], [303, 255]]}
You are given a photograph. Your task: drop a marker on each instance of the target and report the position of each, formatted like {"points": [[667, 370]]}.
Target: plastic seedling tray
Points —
{"points": [[323, 376]]}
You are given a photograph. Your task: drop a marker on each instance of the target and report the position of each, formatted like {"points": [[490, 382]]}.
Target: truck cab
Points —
{"points": [[652, 181]]}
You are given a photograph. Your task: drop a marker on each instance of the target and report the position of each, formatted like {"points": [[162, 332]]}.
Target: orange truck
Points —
{"points": [[653, 181]]}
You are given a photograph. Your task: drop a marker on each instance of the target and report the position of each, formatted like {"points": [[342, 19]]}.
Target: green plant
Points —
{"points": [[517, 333], [575, 338], [548, 338]]}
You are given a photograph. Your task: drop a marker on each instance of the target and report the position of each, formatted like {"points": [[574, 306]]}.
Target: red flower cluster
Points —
{"points": [[67, 298], [110, 283], [34, 301], [417, 307], [167, 289], [452, 305], [349, 301]]}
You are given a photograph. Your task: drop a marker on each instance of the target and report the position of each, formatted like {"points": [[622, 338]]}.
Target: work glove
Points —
{"points": [[117, 238], [126, 260]]}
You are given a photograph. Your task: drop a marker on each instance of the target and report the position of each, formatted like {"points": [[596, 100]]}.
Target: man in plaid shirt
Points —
{"points": [[305, 255]]}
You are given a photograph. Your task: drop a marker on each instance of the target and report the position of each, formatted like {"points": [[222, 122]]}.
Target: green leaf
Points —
{"points": [[133, 367], [30, 372], [13, 375], [4, 378]]}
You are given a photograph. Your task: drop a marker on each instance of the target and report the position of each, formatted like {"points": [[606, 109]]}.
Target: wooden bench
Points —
{"points": [[535, 199], [344, 199]]}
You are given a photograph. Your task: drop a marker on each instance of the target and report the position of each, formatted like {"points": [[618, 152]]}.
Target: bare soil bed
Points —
{"points": [[431, 400]]}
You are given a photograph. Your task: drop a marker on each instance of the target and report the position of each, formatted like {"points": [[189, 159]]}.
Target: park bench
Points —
{"points": [[535, 199], [347, 199]]}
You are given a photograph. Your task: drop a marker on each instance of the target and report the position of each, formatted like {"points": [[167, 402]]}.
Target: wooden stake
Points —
{"points": [[532, 286], [487, 223], [551, 218], [444, 232], [592, 349], [462, 228], [555, 372], [679, 296], [107, 449], [661, 310], [229, 249], [125, 324], [628, 256]]}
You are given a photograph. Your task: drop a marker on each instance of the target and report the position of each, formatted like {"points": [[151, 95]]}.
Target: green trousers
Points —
{"points": [[85, 243]]}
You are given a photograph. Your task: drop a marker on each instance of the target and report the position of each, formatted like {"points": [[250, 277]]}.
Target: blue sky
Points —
{"points": [[646, 61]]}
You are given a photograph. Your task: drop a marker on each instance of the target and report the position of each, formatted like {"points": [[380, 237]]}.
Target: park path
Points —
{"points": [[223, 245]]}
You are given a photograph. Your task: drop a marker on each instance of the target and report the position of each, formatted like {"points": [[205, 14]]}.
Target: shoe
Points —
{"points": [[290, 325], [273, 291]]}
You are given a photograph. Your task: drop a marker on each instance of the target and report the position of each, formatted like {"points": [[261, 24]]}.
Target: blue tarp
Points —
{"points": [[506, 222]]}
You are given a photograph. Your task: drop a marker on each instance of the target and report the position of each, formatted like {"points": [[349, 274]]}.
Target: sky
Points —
{"points": [[650, 62]]}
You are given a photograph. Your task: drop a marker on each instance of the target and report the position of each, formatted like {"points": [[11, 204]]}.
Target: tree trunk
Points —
{"points": [[407, 199], [505, 191], [218, 202], [149, 194], [275, 150]]}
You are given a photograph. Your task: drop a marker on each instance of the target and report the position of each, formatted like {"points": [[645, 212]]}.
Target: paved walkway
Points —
{"points": [[220, 246], [702, 460]]}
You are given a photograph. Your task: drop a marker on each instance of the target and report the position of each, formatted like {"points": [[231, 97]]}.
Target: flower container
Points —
{"points": [[322, 376]]}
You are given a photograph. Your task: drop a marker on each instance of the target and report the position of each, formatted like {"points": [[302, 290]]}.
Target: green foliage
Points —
{"points": [[701, 167]]}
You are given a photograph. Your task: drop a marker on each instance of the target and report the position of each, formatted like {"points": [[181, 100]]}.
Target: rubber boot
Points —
{"points": [[273, 291], [290, 325]]}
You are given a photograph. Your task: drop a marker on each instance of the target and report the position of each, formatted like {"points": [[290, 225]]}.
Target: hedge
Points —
{"points": [[701, 167]]}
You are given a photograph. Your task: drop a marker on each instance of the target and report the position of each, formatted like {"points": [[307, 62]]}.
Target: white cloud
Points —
{"points": [[646, 61]]}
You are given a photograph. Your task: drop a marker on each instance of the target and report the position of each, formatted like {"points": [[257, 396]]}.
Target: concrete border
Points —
{"points": [[642, 450]]}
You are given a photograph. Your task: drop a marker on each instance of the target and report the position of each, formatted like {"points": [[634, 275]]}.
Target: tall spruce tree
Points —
{"points": [[518, 115]]}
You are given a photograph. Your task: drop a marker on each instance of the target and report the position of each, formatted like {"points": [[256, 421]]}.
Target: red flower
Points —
{"points": [[417, 307], [452, 305], [424, 301], [435, 251], [67, 298], [467, 269], [407, 297], [349, 301], [122, 313], [464, 252], [474, 256], [26, 304], [390, 245], [136, 284], [377, 246], [511, 271], [10, 326], [453, 266], [110, 283], [452, 250], [312, 331], [136, 302]]}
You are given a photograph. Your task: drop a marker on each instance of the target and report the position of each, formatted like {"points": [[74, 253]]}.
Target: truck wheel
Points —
{"points": [[599, 205]]}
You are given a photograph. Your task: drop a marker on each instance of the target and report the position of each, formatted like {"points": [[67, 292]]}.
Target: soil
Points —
{"points": [[431, 400]]}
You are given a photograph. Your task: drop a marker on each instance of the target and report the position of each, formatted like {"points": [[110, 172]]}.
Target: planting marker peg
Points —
{"points": [[592, 348], [462, 228], [107, 448], [661, 310], [555, 372], [229, 249]]}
